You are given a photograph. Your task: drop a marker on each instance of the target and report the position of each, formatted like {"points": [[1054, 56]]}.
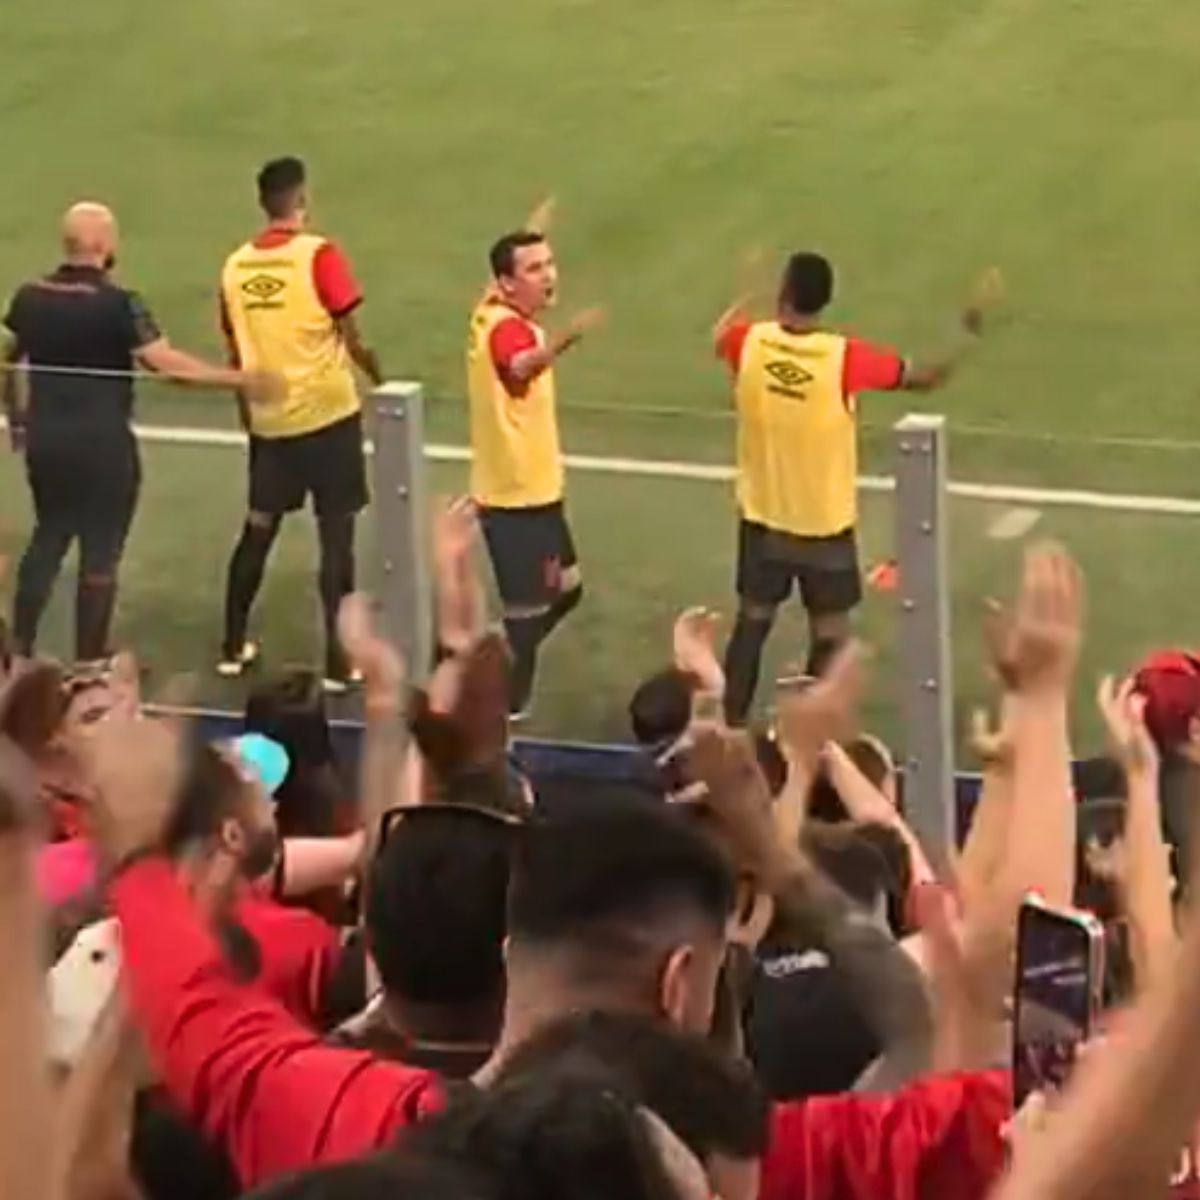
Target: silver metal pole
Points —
{"points": [[401, 523], [926, 668]]}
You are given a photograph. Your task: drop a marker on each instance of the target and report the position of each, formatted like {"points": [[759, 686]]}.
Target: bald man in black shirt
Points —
{"points": [[78, 336]]}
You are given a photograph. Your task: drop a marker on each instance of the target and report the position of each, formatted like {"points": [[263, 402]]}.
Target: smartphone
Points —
{"points": [[1060, 977]]}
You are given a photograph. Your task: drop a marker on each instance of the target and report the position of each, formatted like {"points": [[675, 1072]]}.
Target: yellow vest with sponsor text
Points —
{"points": [[797, 450], [279, 324], [516, 461]]}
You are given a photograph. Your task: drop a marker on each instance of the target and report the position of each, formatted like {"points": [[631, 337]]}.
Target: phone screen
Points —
{"points": [[1059, 964]]}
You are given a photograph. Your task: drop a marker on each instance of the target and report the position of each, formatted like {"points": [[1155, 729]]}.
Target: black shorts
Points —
{"points": [[328, 463], [825, 569], [529, 548], [87, 491]]}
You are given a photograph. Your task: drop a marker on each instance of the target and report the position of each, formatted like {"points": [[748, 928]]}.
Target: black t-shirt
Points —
{"points": [[804, 1033], [77, 317]]}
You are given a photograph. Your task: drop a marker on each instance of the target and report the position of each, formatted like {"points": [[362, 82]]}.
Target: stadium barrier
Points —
{"points": [[926, 679]]}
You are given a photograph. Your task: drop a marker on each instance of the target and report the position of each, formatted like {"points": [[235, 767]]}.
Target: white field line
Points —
{"points": [[661, 469]]}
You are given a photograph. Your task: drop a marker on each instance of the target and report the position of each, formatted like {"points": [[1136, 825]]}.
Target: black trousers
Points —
{"points": [[86, 493]]}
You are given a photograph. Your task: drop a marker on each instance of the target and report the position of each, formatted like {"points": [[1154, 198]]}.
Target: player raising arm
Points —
{"points": [[516, 463], [796, 384]]}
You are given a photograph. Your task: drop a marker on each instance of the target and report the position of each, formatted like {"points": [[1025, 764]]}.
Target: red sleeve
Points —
{"points": [[335, 282], [730, 343], [299, 952], [510, 337], [869, 368], [242, 1069], [938, 1139]]}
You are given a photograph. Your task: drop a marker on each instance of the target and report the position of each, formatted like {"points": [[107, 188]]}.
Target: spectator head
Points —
{"points": [[282, 189], [869, 862], [711, 1101], [32, 707], [92, 691], [874, 761], [623, 908], [524, 270], [435, 919], [224, 817], [462, 729], [90, 236], [571, 1130], [807, 285], [290, 710], [661, 708], [1170, 681], [389, 1176]]}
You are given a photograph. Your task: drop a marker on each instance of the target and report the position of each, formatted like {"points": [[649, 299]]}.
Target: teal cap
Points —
{"points": [[263, 758]]}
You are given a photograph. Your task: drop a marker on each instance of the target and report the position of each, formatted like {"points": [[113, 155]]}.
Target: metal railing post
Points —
{"points": [[926, 668], [401, 522]]}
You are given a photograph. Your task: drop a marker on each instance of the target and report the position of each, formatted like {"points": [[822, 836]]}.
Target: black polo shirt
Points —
{"points": [[78, 317]]}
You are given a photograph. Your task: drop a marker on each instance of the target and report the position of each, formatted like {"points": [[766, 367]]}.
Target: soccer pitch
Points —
{"points": [[914, 141]]}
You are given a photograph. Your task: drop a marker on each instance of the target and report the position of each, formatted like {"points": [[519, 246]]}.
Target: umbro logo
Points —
{"points": [[788, 374], [263, 287]]}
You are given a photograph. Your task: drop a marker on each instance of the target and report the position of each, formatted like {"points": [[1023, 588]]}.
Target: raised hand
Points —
{"points": [[694, 644], [369, 652], [1124, 713], [723, 761], [1034, 648], [824, 712], [455, 529], [992, 744], [542, 216], [136, 766], [586, 321], [460, 601]]}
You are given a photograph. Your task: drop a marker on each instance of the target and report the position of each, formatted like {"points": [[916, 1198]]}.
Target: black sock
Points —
{"points": [[819, 654], [565, 603], [524, 636], [743, 656], [244, 579], [95, 598], [335, 582]]}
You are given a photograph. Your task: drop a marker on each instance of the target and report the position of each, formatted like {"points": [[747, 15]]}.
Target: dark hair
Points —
{"points": [[278, 182], [712, 1102], [807, 284], [608, 877], [210, 792], [661, 708], [32, 707], [866, 860], [569, 1131], [435, 906], [391, 1175], [290, 709], [824, 801], [503, 255]]}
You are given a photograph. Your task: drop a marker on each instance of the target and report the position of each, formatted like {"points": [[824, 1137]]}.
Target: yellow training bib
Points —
{"points": [[797, 450], [279, 324], [516, 461]]}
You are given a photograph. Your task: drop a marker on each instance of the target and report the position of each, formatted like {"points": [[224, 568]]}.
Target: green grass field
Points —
{"points": [[913, 140]]}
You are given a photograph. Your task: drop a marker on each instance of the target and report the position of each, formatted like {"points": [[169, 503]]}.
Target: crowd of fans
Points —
{"points": [[250, 968]]}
